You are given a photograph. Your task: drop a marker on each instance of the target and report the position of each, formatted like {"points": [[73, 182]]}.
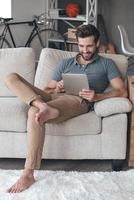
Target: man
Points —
{"points": [[53, 105]]}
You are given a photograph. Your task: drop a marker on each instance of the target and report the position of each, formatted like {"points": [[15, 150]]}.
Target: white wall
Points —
{"points": [[5, 8], [118, 12], [23, 10]]}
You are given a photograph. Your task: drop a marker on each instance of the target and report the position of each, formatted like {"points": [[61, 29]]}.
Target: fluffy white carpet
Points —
{"points": [[61, 185]]}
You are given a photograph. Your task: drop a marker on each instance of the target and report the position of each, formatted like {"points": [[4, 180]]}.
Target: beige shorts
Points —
{"points": [[69, 106]]}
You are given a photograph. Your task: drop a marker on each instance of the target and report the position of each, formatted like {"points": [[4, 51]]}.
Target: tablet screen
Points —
{"points": [[74, 83]]}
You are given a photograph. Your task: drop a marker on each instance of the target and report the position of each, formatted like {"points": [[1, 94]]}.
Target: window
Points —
{"points": [[5, 8]]}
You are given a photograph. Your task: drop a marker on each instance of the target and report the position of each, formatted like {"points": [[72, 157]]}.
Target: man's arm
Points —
{"points": [[54, 87], [50, 88], [118, 90]]}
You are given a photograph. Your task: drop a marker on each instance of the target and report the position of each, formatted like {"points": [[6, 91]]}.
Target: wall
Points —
{"points": [[118, 12], [23, 10]]}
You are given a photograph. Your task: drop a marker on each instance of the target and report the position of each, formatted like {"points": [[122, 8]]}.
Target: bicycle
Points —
{"points": [[38, 38]]}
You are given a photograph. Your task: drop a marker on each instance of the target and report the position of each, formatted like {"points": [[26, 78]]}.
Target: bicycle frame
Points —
{"points": [[30, 23]]}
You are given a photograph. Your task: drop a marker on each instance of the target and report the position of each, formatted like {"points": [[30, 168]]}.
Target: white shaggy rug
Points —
{"points": [[61, 185]]}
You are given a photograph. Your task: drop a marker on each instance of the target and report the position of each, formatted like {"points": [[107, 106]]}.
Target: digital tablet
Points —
{"points": [[74, 83]]}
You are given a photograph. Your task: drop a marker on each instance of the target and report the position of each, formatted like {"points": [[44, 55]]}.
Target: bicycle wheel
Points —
{"points": [[4, 43], [48, 38]]}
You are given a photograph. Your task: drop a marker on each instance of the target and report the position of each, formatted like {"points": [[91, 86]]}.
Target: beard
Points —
{"points": [[87, 56]]}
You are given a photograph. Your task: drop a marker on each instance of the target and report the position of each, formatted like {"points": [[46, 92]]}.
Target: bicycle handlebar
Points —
{"points": [[3, 20], [8, 19], [36, 19]]}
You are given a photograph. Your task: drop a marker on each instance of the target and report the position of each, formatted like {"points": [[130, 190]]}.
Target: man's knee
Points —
{"points": [[11, 78], [32, 111]]}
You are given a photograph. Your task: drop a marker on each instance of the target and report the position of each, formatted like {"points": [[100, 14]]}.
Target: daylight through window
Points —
{"points": [[5, 8]]}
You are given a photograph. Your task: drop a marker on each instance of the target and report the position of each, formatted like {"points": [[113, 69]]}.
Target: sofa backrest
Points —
{"points": [[49, 58], [18, 60]]}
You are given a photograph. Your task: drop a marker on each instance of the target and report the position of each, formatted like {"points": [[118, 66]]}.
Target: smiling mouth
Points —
{"points": [[87, 54]]}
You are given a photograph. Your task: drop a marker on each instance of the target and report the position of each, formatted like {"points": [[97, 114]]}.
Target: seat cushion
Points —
{"points": [[13, 114], [86, 124], [18, 60], [112, 106]]}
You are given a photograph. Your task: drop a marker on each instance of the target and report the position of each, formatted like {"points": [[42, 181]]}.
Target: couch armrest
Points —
{"points": [[112, 106]]}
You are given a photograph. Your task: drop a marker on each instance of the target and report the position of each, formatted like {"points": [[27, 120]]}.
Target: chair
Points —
{"points": [[125, 44]]}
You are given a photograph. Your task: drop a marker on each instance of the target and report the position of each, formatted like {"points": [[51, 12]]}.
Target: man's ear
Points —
{"points": [[98, 43]]}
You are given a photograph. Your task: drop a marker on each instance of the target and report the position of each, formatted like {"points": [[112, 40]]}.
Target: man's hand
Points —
{"points": [[60, 87], [87, 94]]}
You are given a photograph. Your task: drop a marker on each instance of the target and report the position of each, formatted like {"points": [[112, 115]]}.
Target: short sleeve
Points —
{"points": [[57, 74], [112, 70]]}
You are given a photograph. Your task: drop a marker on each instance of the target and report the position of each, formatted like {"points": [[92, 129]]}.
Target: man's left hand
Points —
{"points": [[87, 94]]}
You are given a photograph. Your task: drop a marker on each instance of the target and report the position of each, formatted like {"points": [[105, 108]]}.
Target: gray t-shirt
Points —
{"points": [[99, 72]]}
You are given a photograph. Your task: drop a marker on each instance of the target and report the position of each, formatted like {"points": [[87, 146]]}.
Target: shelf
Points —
{"points": [[88, 16], [69, 18], [54, 39], [71, 44]]}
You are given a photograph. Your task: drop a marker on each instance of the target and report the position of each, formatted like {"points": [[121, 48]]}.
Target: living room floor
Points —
{"points": [[66, 165]]}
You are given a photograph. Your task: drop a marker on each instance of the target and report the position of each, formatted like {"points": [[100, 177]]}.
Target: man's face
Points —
{"points": [[87, 47]]}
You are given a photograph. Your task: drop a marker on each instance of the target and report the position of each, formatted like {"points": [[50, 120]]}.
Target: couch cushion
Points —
{"points": [[13, 114], [120, 60], [18, 60], [112, 106], [86, 124], [49, 58]]}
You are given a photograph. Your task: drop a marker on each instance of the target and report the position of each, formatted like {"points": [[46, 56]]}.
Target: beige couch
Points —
{"points": [[99, 134]]}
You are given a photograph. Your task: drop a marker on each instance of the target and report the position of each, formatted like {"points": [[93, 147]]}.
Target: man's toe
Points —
{"points": [[9, 190]]}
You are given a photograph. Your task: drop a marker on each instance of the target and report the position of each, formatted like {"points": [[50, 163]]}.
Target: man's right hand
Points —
{"points": [[60, 87]]}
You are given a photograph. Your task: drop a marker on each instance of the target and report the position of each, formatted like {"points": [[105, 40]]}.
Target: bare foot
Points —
{"points": [[24, 182], [45, 113]]}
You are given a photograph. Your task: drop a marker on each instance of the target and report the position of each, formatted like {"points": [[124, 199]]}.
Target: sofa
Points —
{"points": [[98, 134]]}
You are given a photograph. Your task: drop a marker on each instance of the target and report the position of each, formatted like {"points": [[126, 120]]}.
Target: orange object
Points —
{"points": [[72, 9]]}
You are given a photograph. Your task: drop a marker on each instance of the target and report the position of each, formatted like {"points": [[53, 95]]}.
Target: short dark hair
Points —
{"points": [[86, 31]]}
